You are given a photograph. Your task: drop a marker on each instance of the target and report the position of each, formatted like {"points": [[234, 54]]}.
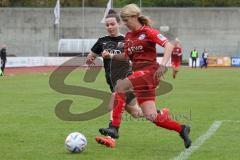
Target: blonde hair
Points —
{"points": [[133, 10], [176, 42]]}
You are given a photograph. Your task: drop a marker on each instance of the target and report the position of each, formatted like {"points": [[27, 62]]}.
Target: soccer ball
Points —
{"points": [[75, 142]]}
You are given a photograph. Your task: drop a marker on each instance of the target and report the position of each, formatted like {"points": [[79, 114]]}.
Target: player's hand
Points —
{"points": [[106, 54], [90, 59], [160, 72]]}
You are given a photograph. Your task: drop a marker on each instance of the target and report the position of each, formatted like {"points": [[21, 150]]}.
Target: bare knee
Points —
{"points": [[151, 117], [137, 114], [149, 110], [122, 86], [134, 111]]}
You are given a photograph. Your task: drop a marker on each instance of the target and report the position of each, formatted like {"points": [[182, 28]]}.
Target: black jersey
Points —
{"points": [[114, 70], [3, 54]]}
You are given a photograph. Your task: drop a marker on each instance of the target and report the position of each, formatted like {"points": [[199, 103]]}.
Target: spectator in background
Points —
{"points": [[3, 58], [194, 56], [204, 57]]}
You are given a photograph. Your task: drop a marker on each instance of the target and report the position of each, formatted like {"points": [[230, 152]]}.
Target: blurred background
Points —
{"points": [[27, 26]]}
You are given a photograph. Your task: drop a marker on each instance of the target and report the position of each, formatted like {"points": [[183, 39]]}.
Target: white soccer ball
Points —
{"points": [[75, 142]]}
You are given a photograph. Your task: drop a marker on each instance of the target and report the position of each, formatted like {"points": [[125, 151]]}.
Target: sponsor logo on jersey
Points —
{"points": [[115, 51], [161, 37], [120, 45], [142, 36], [113, 47], [135, 49]]}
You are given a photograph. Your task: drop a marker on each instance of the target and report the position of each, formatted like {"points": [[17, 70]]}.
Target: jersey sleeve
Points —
{"points": [[156, 37], [97, 47]]}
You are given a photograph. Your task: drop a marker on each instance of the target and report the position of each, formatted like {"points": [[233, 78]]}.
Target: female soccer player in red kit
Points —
{"points": [[140, 48], [176, 57]]}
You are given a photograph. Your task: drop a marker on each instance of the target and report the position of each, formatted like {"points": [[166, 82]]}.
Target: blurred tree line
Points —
{"points": [[120, 3]]}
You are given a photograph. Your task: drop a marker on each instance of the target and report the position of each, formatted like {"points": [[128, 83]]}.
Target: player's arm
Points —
{"points": [[90, 58], [95, 51], [156, 37], [168, 48], [180, 52]]}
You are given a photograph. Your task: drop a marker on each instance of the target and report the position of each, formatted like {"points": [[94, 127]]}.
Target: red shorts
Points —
{"points": [[144, 85], [176, 61]]}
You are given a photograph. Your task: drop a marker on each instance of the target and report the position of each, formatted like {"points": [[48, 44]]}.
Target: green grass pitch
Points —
{"points": [[30, 130]]}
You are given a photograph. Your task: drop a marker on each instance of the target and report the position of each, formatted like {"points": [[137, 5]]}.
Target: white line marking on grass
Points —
{"points": [[232, 121], [187, 152]]}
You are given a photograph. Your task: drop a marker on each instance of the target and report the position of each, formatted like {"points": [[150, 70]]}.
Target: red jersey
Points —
{"points": [[140, 45], [177, 51]]}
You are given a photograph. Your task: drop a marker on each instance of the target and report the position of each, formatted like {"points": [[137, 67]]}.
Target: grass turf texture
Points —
{"points": [[30, 130]]}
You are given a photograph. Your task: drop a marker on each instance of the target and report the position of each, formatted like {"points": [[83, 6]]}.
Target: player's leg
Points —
{"points": [[117, 102], [1, 74], [111, 130], [111, 85], [122, 87], [175, 69], [132, 106], [134, 110], [175, 65], [2, 67], [205, 62], [164, 121]]}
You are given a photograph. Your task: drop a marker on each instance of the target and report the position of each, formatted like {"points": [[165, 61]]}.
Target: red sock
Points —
{"points": [[119, 104], [167, 123]]}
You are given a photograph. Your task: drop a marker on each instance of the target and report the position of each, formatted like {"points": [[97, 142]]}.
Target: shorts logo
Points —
{"points": [[142, 36], [161, 37]]}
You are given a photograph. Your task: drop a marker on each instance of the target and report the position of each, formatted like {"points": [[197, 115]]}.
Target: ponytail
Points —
{"points": [[145, 20]]}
